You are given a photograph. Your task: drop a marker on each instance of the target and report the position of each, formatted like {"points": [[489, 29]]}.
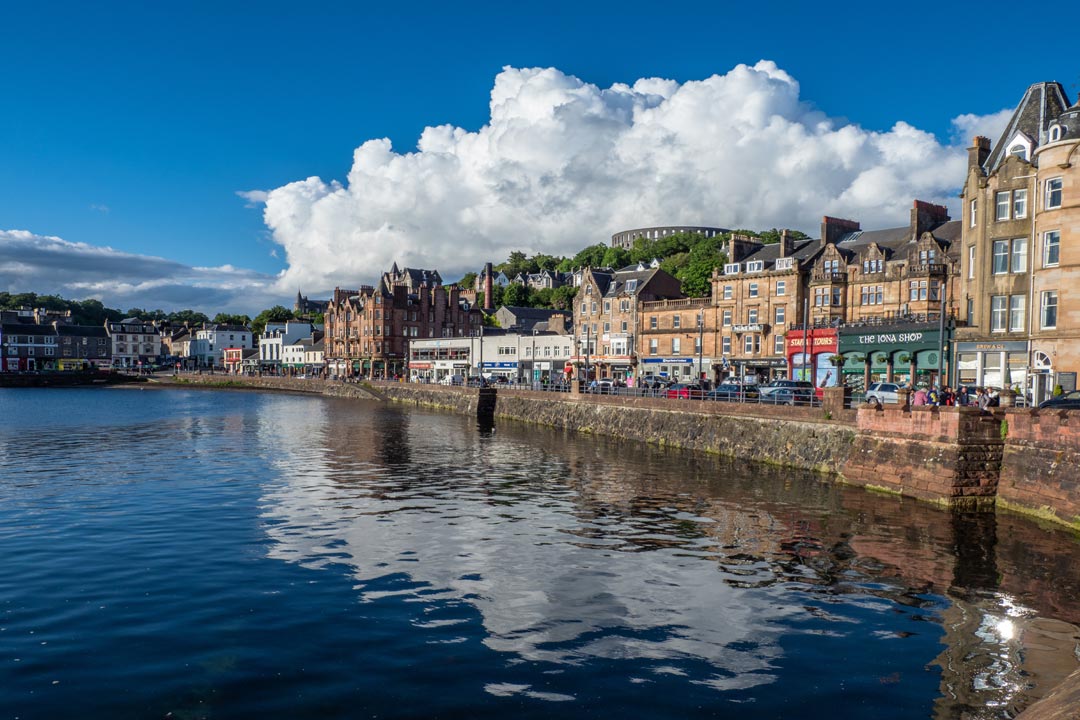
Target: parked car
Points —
{"points": [[685, 391], [452, 380], [790, 396], [653, 382], [731, 392], [880, 393], [1068, 401], [776, 385], [602, 387]]}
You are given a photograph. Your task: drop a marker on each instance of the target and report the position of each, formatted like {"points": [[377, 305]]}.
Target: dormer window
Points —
{"points": [[785, 263], [731, 269], [1055, 133], [1019, 151], [631, 286], [755, 266]]}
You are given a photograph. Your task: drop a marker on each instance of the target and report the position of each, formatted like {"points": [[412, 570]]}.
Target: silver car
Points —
{"points": [[882, 392]]}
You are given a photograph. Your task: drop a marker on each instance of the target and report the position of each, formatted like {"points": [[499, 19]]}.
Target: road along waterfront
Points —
{"points": [[239, 554]]}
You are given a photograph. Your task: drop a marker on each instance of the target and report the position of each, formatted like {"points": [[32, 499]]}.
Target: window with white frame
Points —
{"points": [[725, 346], [973, 211], [697, 345], [917, 290], [778, 345], [1001, 205], [726, 315], [971, 262], [779, 314], [998, 313], [1016, 313], [652, 322], [837, 296], [1055, 133], [607, 306], [1051, 254], [1019, 255], [1049, 305], [676, 321], [821, 297], [727, 292], [781, 288], [1019, 204], [1053, 194], [753, 290], [751, 344], [607, 327], [755, 266], [654, 346], [731, 269], [1000, 264], [676, 346], [752, 316]]}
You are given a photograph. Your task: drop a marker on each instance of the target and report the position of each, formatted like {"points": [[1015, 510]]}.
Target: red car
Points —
{"points": [[685, 391]]}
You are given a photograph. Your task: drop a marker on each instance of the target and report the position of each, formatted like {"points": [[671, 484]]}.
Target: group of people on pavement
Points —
{"points": [[983, 397]]}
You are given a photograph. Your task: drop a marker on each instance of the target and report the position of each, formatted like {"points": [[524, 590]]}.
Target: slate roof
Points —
{"points": [[770, 253], [620, 278], [1043, 103], [82, 331]]}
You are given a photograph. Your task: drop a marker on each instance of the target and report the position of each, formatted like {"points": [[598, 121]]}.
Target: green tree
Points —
{"points": [[616, 257], [592, 256], [516, 296], [278, 313], [467, 280], [180, 317], [229, 319], [562, 298]]}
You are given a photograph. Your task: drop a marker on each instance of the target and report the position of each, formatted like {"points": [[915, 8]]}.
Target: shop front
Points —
{"points": [[993, 364], [505, 369], [908, 353], [816, 364], [682, 369]]}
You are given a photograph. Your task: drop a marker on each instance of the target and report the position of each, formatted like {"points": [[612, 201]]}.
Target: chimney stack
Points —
{"points": [[927, 216], [787, 243], [832, 229], [489, 287], [978, 152]]}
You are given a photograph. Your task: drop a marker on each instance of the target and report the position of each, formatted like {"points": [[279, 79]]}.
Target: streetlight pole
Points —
{"points": [[700, 345], [532, 356], [587, 343]]}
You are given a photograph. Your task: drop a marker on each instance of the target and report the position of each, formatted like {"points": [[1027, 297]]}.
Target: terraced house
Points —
{"points": [[368, 330], [1020, 260], [607, 319]]}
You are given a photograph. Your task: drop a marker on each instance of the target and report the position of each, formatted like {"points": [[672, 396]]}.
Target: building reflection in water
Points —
{"points": [[572, 548]]}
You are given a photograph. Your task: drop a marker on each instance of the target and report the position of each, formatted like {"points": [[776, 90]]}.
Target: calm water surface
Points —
{"points": [[193, 554]]}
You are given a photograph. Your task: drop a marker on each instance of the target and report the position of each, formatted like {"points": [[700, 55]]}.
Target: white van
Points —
{"points": [[452, 380]]}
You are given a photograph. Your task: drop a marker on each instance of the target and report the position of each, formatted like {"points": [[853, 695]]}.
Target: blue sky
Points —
{"points": [[132, 126]]}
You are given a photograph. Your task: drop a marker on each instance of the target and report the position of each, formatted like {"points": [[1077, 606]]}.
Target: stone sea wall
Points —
{"points": [[796, 437], [1040, 469]]}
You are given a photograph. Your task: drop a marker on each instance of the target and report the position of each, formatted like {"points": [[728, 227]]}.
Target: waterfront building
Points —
{"points": [[757, 297], [368, 330], [892, 295], [211, 340], [134, 342], [1020, 267], [515, 356], [606, 321], [625, 238], [677, 338], [27, 346], [275, 337], [82, 347]]}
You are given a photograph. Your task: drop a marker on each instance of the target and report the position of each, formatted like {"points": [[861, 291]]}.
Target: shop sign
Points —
{"points": [[420, 365], [755, 327], [819, 343], [668, 361], [500, 365], [1003, 346]]}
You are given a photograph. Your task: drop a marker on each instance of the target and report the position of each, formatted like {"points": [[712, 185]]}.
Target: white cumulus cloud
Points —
{"points": [[563, 163]]}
